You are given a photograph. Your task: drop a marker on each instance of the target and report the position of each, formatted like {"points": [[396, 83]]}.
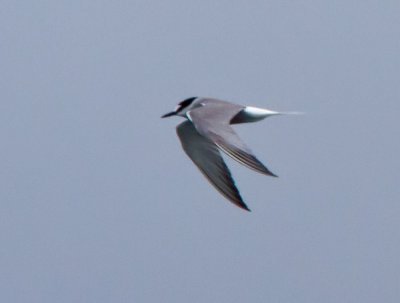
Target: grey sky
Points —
{"points": [[98, 203]]}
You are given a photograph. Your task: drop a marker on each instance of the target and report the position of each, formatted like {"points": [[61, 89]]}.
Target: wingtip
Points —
{"points": [[267, 172], [244, 207]]}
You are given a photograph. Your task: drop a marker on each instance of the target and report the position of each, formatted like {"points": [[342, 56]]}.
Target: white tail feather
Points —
{"points": [[292, 113]]}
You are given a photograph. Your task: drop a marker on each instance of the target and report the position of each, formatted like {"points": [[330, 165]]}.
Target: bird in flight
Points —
{"points": [[207, 131]]}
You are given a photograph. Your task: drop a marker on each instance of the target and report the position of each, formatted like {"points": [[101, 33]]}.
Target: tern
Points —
{"points": [[207, 131]]}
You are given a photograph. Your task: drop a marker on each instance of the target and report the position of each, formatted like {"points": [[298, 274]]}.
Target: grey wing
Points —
{"points": [[211, 123], [206, 156]]}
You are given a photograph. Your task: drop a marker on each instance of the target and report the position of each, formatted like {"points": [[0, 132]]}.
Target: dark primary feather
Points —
{"points": [[206, 156]]}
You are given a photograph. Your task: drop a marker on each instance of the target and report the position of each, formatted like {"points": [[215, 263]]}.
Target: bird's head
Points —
{"points": [[181, 108]]}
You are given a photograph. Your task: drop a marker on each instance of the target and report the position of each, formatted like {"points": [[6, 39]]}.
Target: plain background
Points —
{"points": [[98, 203]]}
